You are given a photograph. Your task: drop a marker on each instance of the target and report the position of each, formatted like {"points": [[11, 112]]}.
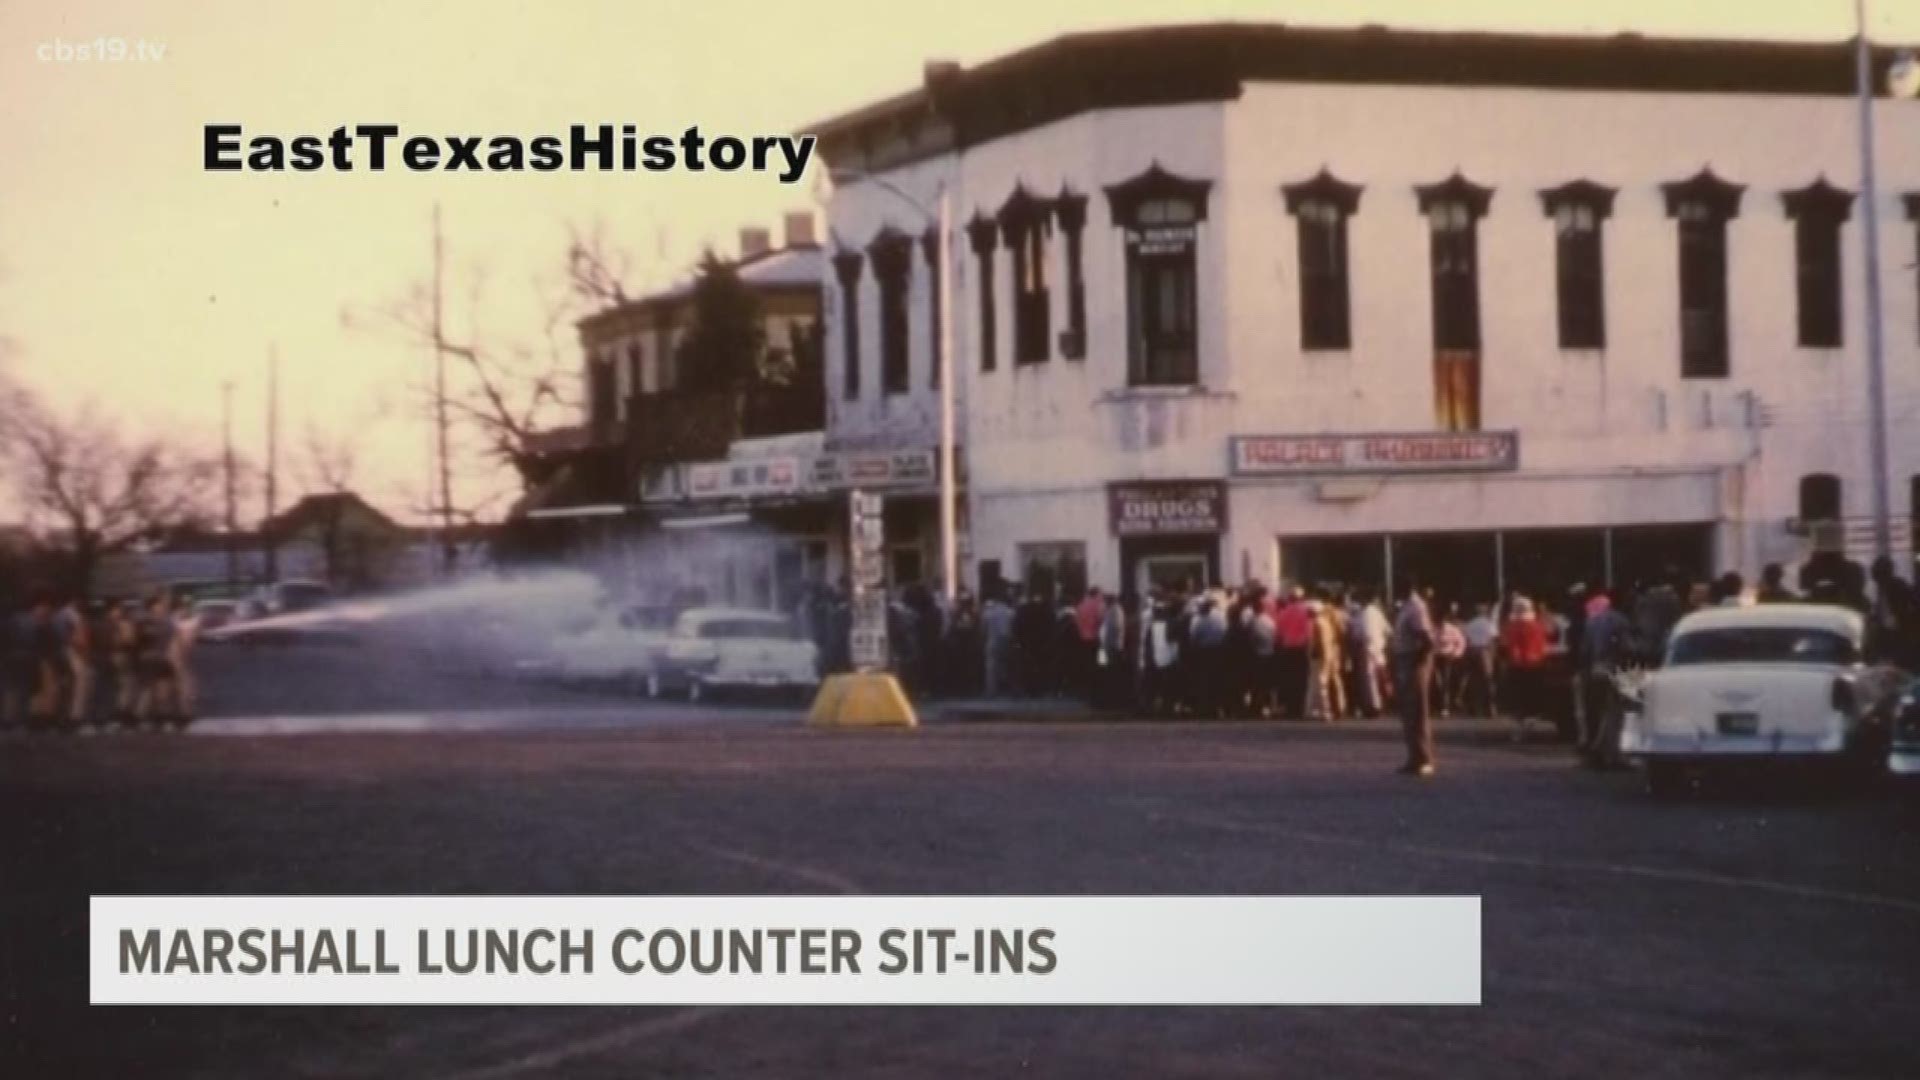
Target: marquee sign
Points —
{"points": [[1167, 507], [1411, 452], [741, 479]]}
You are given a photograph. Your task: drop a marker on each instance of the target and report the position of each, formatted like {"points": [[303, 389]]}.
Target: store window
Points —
{"points": [[1818, 210], [1579, 210], [846, 266], [1321, 207], [1701, 208], [1054, 569], [892, 256], [1160, 214]]}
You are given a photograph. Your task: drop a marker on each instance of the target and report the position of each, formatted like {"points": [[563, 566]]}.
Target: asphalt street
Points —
{"points": [[1742, 932]]}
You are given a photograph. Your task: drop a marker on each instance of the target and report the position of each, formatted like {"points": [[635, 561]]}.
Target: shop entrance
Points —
{"points": [[1183, 564]]}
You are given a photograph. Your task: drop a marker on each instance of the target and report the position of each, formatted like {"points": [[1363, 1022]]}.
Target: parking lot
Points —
{"points": [[1741, 932]]}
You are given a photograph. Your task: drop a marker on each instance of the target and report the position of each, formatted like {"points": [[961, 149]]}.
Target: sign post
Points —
{"points": [[869, 696], [868, 549]]}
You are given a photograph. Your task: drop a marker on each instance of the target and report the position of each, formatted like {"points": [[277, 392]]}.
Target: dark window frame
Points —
{"points": [[1701, 207], [1912, 202], [1026, 223], [1321, 207], [1579, 211], [983, 234], [846, 267], [1818, 211], [1070, 212], [1453, 209], [1160, 214], [891, 254], [1822, 497], [930, 250]]}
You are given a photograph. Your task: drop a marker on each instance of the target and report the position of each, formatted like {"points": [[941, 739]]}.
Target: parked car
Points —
{"points": [[213, 614], [1774, 682], [721, 648], [622, 645], [288, 597], [1903, 750]]}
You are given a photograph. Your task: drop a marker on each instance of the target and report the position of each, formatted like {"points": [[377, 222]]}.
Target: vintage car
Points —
{"points": [[730, 648], [621, 646], [1763, 682], [1903, 751]]}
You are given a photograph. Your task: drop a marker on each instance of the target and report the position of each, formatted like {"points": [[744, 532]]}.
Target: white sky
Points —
{"points": [[130, 276]]}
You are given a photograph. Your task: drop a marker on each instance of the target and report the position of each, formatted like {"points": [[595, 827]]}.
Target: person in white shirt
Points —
{"points": [[1482, 641]]}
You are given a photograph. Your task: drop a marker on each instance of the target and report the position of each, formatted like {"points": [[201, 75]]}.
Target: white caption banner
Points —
{"points": [[792, 950]]}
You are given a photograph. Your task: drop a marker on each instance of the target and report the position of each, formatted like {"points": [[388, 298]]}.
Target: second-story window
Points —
{"points": [[846, 267], [1818, 210], [982, 232], [892, 257], [1070, 210], [602, 386], [930, 248], [1701, 207], [1579, 209], [1321, 207], [1025, 225], [1453, 209], [1161, 214], [1912, 201]]}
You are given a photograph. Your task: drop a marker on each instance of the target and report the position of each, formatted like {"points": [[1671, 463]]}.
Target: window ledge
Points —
{"points": [[1148, 393]]}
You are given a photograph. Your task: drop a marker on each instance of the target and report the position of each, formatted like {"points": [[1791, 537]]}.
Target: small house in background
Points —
{"points": [[360, 548]]}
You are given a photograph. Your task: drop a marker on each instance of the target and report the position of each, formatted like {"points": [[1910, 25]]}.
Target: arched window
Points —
{"points": [[1321, 207], [1818, 210], [1161, 214], [1702, 206], [1578, 209], [1820, 497]]}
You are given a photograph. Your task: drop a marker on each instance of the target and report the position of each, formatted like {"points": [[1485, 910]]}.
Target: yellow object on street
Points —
{"points": [[863, 700]]}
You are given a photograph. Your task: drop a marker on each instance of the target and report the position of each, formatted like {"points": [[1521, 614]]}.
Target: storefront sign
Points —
{"points": [[875, 469], [1417, 452], [1167, 507], [742, 479]]}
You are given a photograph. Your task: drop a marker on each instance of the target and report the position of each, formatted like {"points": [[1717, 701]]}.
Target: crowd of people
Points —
{"points": [[66, 664], [1546, 655]]}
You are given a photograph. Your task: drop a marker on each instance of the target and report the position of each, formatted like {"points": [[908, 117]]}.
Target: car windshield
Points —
{"points": [[1760, 645]]}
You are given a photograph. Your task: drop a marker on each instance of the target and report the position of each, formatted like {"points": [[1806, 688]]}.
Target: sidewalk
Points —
{"points": [[1060, 710]]}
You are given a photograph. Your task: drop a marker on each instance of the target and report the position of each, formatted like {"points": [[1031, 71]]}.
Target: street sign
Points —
{"points": [[869, 648]]}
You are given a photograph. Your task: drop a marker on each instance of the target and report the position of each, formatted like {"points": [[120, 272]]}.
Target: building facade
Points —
{"points": [[1325, 306]]}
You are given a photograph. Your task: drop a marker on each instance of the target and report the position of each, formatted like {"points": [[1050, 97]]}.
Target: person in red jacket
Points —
{"points": [[1523, 644]]}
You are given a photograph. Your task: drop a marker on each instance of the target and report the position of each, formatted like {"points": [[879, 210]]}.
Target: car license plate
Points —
{"points": [[1738, 723]]}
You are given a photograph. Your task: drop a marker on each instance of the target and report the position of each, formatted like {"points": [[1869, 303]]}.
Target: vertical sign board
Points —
{"points": [[868, 548]]}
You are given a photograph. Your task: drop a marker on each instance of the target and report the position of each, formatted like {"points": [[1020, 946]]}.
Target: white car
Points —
{"points": [[623, 645], [716, 648], [1770, 681]]}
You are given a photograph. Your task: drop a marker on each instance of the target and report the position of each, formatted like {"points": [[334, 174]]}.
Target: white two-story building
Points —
{"points": [[1321, 305]]}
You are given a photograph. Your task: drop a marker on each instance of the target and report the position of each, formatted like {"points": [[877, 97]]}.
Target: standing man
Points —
{"points": [[996, 625], [1412, 648], [1293, 633], [1606, 644], [1483, 637]]}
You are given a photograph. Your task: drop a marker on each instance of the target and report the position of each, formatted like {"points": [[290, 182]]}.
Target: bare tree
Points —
{"points": [[506, 389], [96, 490]]}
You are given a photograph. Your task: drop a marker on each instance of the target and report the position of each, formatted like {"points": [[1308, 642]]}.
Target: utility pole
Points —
{"points": [[1870, 245], [226, 464], [271, 543], [440, 403]]}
